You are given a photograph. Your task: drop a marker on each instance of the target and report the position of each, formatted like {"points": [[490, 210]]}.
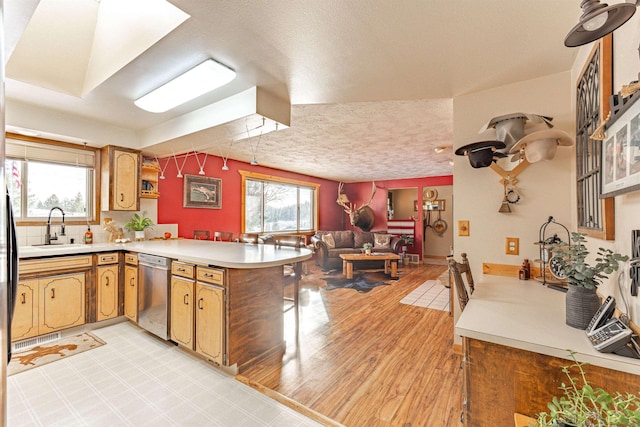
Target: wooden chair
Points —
{"points": [[248, 238], [456, 269], [201, 234], [223, 236]]}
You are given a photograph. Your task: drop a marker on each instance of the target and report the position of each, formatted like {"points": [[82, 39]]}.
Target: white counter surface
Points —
{"points": [[529, 316], [221, 254]]}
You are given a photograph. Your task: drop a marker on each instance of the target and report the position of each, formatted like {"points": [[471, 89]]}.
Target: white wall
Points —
{"points": [[626, 66], [545, 187], [435, 245]]}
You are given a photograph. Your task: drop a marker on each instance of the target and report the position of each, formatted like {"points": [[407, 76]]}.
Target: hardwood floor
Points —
{"points": [[364, 359]]}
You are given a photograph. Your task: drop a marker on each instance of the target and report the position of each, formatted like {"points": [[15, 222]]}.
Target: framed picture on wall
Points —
{"points": [[621, 153], [202, 192]]}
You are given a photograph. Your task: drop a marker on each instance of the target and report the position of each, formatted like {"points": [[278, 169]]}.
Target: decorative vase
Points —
{"points": [[367, 251], [139, 235], [580, 304]]}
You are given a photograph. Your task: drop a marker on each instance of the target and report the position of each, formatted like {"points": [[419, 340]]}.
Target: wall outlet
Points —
{"points": [[512, 246]]}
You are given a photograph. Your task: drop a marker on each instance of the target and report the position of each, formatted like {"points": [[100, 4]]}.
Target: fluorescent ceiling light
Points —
{"points": [[197, 81]]}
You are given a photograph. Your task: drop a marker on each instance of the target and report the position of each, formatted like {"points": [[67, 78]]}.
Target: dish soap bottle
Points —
{"points": [[525, 271], [88, 236]]}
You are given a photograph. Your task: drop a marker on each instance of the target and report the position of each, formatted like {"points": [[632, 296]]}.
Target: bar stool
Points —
{"points": [[292, 271], [223, 236], [248, 238]]}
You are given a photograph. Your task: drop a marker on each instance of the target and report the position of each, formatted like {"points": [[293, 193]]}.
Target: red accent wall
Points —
{"points": [[360, 192], [330, 216], [171, 211]]}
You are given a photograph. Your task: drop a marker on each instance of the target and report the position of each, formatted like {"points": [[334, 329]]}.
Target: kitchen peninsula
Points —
{"points": [[248, 282], [515, 343]]}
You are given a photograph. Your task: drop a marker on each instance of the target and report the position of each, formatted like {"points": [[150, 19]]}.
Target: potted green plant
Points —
{"points": [[367, 248], [138, 223], [583, 405], [568, 262]]}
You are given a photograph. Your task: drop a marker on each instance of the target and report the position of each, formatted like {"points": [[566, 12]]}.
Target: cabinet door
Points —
{"points": [[107, 292], [61, 302], [125, 180], [182, 311], [210, 322], [131, 292], [25, 316]]}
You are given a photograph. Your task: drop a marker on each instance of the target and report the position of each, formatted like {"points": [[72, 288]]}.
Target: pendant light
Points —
{"points": [[597, 21]]}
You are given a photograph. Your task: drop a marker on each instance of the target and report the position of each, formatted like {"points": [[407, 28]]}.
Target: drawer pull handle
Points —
{"points": [[53, 293], [106, 282], [111, 258], [200, 304], [131, 282], [182, 269], [186, 299], [24, 298], [122, 197]]}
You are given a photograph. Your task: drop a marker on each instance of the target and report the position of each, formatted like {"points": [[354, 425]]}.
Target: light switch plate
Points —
{"points": [[512, 246]]}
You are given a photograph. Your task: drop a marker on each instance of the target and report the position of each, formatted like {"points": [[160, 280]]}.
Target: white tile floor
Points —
{"points": [[137, 380], [431, 294]]}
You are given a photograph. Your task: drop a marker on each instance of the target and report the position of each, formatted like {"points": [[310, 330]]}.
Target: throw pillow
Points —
{"points": [[328, 240], [382, 240]]}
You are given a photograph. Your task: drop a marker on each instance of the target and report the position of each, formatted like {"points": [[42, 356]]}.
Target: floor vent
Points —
{"points": [[413, 258], [32, 342]]}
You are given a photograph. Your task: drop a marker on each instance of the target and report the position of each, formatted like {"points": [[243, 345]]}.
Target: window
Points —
{"points": [[278, 205], [41, 175], [595, 215]]}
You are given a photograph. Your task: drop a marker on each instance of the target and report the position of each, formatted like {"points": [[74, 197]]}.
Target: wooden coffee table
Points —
{"points": [[390, 262]]}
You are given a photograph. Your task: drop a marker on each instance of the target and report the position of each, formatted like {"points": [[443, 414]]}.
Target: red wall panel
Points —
{"points": [[330, 216], [170, 203]]}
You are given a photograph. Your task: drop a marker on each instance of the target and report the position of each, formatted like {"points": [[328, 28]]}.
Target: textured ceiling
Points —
{"points": [[370, 82]]}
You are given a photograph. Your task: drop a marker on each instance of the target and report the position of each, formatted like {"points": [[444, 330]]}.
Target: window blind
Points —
{"points": [[28, 150]]}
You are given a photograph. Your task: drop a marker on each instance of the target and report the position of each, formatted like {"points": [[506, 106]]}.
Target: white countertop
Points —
{"points": [[529, 316], [221, 254]]}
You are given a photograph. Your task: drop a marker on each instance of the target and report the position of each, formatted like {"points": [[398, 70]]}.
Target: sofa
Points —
{"points": [[329, 245]]}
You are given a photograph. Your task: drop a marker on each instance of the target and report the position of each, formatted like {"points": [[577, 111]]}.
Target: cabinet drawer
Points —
{"points": [[108, 258], [53, 264], [211, 275], [182, 269], [131, 258]]}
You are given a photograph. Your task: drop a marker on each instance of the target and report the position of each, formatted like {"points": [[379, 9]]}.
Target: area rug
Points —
{"points": [[432, 294], [363, 281], [43, 354]]}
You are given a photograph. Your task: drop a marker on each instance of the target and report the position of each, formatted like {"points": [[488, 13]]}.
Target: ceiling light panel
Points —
{"points": [[199, 80]]}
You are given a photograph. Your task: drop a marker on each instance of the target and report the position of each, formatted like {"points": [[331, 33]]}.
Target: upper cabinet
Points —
{"points": [[120, 179]]}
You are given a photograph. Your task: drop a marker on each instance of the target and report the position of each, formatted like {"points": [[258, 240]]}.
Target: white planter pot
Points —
{"points": [[139, 235]]}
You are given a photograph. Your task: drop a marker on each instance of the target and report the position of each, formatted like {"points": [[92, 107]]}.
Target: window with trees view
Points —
{"points": [[39, 177], [273, 205]]}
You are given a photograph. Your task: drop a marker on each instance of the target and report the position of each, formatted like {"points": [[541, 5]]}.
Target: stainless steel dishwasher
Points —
{"points": [[153, 294]]}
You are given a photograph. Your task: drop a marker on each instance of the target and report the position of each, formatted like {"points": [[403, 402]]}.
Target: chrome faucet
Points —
{"points": [[47, 234]]}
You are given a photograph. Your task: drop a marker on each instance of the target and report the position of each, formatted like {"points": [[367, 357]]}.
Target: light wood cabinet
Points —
{"points": [[210, 309], [48, 301], [210, 313], [61, 302], [120, 179], [107, 292], [198, 309], [25, 315], [131, 286], [107, 285], [182, 315]]}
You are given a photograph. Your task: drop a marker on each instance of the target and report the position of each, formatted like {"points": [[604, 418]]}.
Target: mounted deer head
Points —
{"points": [[361, 217]]}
